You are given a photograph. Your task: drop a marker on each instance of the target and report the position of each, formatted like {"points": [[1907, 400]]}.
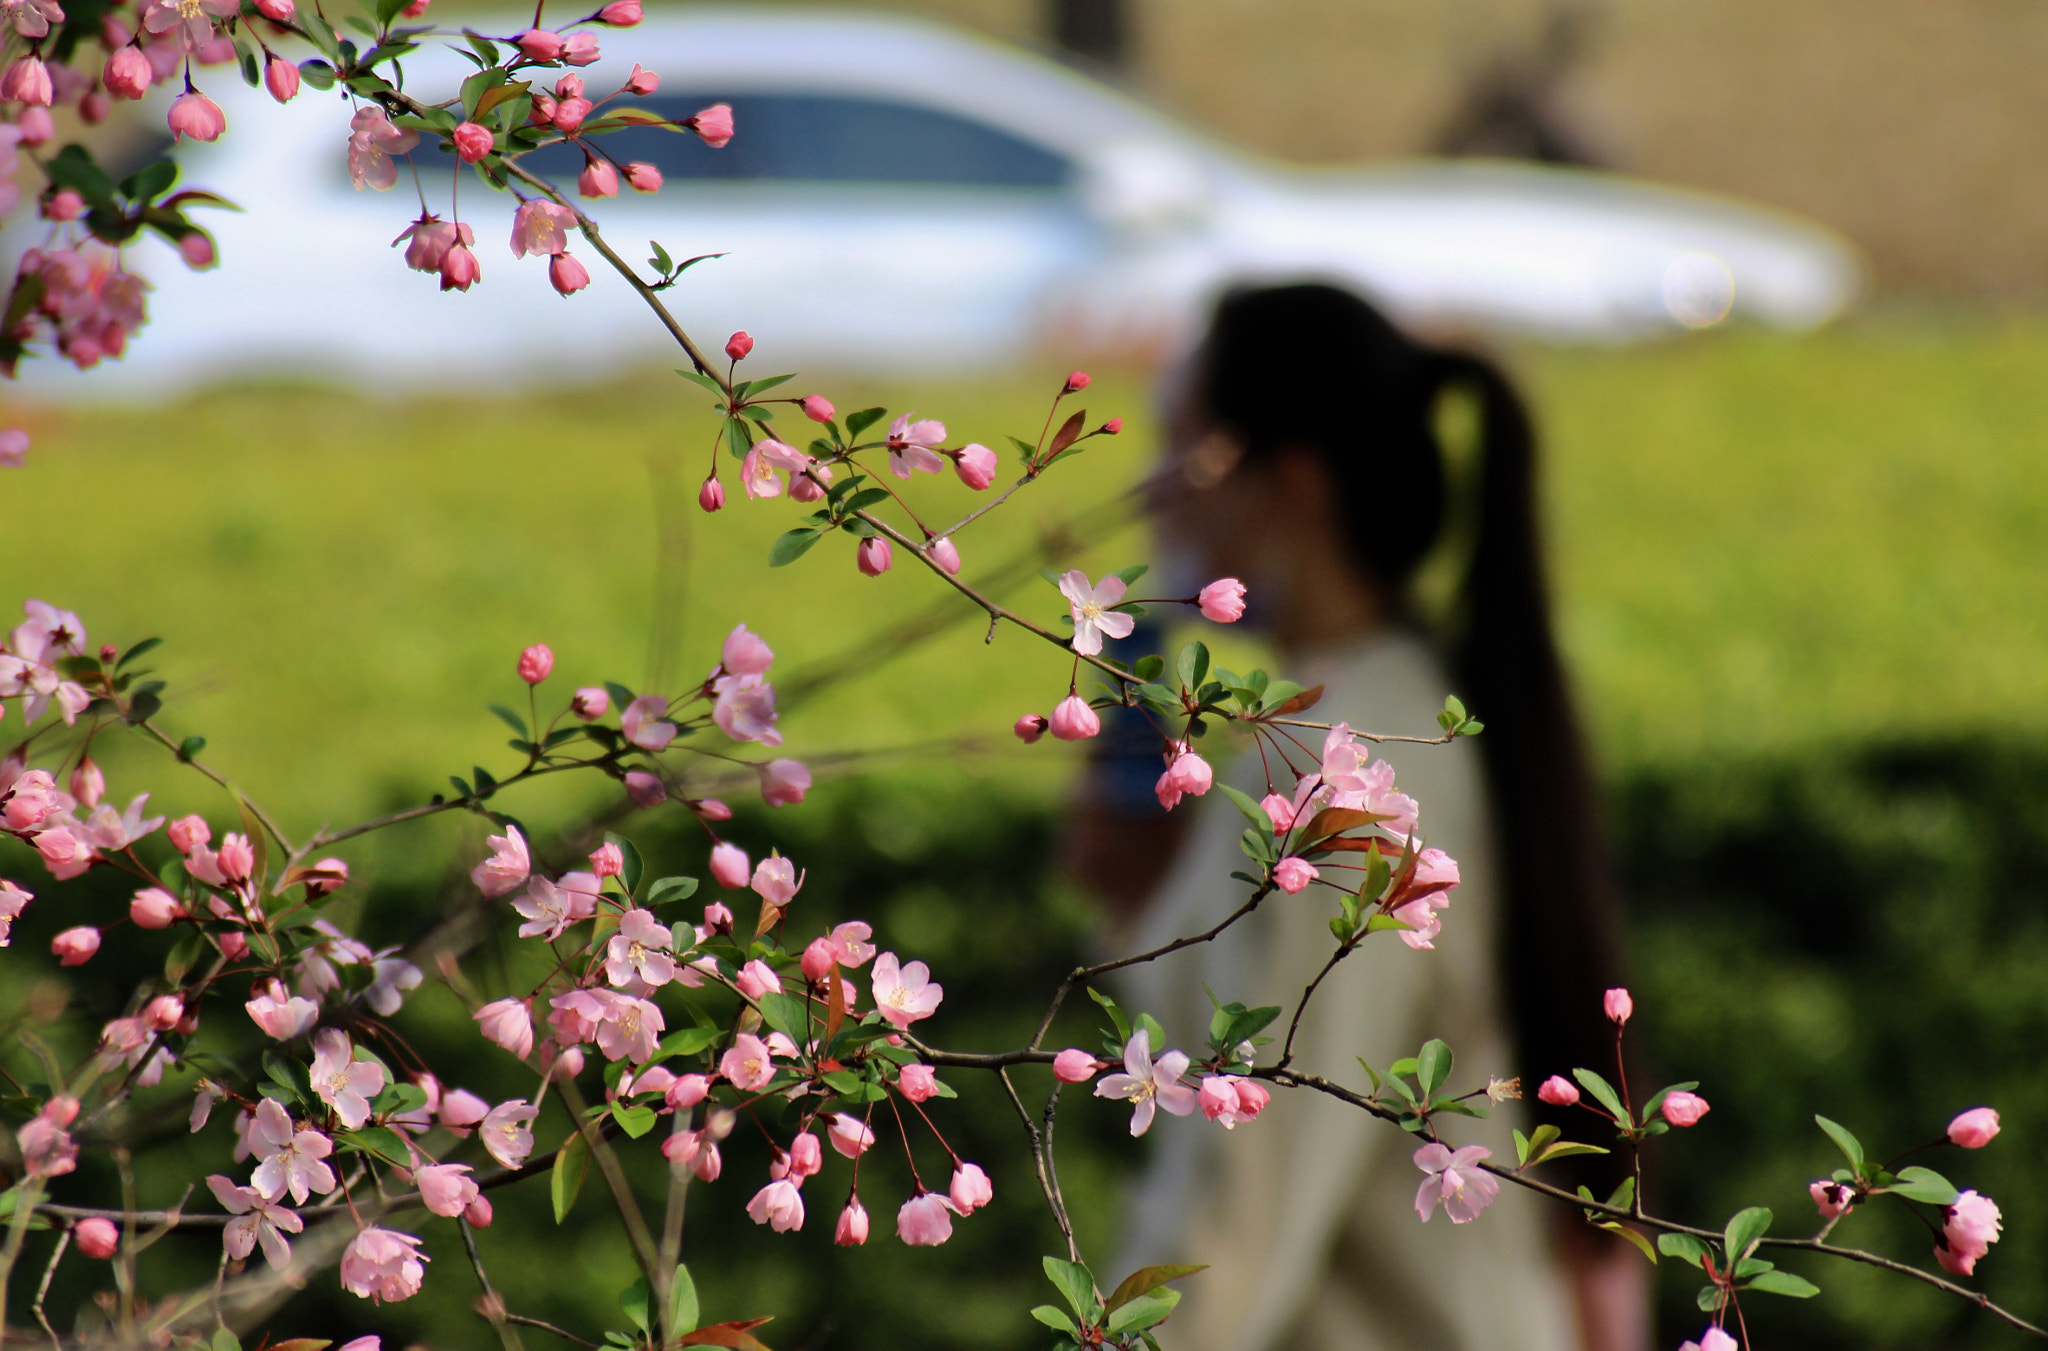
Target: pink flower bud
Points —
{"points": [[1832, 1199], [598, 179], [970, 1190], [620, 13], [818, 408], [1030, 727], [281, 78], [872, 557], [642, 81], [729, 866], [1278, 810], [64, 204], [819, 959], [714, 124], [757, 978], [1619, 1006], [783, 784], [127, 74], [1074, 720], [567, 275], [1113, 426], [590, 702], [472, 142], [477, 1212], [717, 918], [36, 125], [608, 860], [236, 859], [711, 497], [580, 49], [188, 833], [711, 809], [75, 947], [569, 87], [1683, 1109], [278, 11], [917, 1082], [643, 177], [738, 345], [543, 111], [96, 1238], [163, 1012], [28, 81], [234, 946], [537, 44], [687, 1091], [88, 785], [943, 552], [535, 663], [195, 115], [570, 112], [852, 1229], [1558, 1092], [1291, 874], [976, 465], [1974, 1129], [1074, 1066], [197, 251], [459, 269], [646, 790], [1222, 601], [806, 1156], [1077, 382], [154, 908]]}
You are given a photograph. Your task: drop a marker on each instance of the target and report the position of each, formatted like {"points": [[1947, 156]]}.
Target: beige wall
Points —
{"points": [[1917, 127]]}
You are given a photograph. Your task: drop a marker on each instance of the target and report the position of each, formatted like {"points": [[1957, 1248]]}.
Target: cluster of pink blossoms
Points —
{"points": [[1229, 1100]]}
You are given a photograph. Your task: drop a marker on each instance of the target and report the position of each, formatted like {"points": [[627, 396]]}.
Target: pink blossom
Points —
{"points": [[1713, 1339], [914, 445], [1968, 1230], [1148, 1084], [372, 141], [550, 907], [1618, 1006], [744, 709], [13, 900], [535, 663], [818, 960], [1360, 786], [127, 74], [1683, 1109], [189, 832], [638, 951], [850, 942], [541, 226], [1074, 1066], [257, 1220], [1074, 720], [642, 81], [917, 1082], [1975, 1128], [1186, 772], [645, 789], [776, 880], [818, 408], [806, 1158], [1832, 1199], [1090, 604], [446, 1189], [745, 653], [507, 1131], [620, 13], [431, 239], [631, 1030], [47, 1149], [1456, 1180], [714, 124], [758, 475], [279, 1017], [681, 1147], [88, 784], [757, 978], [96, 1238], [873, 556], [784, 782], [970, 1190], [729, 865], [748, 1066], [28, 81], [598, 179], [538, 44], [687, 1091], [607, 860], [1030, 727], [976, 464], [645, 724], [1558, 1092], [32, 18], [904, 994], [343, 1082], [849, 1135], [1291, 874], [1222, 600], [589, 703], [779, 1205], [461, 1111], [75, 947], [571, 110], [164, 1012], [507, 866], [383, 1264], [852, 1229], [292, 1157], [459, 268], [1230, 1099], [946, 554], [580, 49], [707, 1165], [925, 1220]]}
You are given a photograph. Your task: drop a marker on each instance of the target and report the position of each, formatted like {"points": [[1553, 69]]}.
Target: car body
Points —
{"points": [[900, 196]]}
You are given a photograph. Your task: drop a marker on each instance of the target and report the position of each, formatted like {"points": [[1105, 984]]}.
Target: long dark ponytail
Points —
{"points": [[1312, 366]]}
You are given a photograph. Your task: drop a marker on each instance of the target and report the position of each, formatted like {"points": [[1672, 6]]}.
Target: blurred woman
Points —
{"points": [[1304, 459]]}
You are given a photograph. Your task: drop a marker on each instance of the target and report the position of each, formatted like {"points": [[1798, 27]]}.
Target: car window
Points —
{"points": [[822, 138]]}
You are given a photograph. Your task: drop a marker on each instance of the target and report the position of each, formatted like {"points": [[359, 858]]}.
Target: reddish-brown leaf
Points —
{"points": [[1300, 703], [1069, 432]]}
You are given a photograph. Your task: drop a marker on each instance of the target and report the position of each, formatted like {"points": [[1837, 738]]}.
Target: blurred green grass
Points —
{"points": [[1761, 541]]}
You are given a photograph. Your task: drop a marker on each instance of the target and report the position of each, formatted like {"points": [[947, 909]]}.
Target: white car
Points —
{"points": [[904, 197]]}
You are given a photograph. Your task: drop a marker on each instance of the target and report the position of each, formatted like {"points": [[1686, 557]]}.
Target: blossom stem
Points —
{"points": [[492, 1305]]}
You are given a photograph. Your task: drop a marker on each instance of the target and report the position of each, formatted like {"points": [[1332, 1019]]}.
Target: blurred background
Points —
{"points": [[1798, 560]]}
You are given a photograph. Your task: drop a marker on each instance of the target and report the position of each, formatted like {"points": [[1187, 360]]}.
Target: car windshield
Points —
{"points": [[840, 138]]}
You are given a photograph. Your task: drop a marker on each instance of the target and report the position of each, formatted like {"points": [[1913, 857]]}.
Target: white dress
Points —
{"points": [[1306, 1216]]}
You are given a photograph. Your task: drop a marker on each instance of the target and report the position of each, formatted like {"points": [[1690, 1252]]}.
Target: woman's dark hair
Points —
{"points": [[1313, 366]]}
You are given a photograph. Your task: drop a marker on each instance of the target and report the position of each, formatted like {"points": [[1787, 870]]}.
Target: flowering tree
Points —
{"points": [[658, 1021]]}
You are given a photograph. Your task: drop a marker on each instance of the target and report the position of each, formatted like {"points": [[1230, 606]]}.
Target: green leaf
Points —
{"points": [[737, 440], [634, 1301], [1145, 1280], [1130, 575], [1744, 1229], [689, 1041], [147, 644], [635, 1121], [793, 546], [1649, 1109], [190, 748], [1603, 1091], [682, 1301], [632, 869], [1565, 1149], [856, 423], [1533, 1143], [1025, 450], [1145, 1311], [1924, 1184], [382, 1141], [1193, 665], [1075, 1282], [699, 378], [1379, 922], [1433, 1067], [1784, 1283], [245, 56], [668, 889], [1708, 1297], [1683, 1246], [1056, 1319], [762, 386], [1642, 1244], [182, 955], [572, 1160], [786, 1014], [1116, 1015], [224, 1340], [510, 719], [317, 73], [1847, 1143]]}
